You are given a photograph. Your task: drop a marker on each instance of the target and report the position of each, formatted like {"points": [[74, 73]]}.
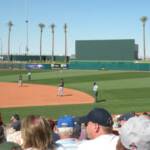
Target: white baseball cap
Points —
{"points": [[135, 133]]}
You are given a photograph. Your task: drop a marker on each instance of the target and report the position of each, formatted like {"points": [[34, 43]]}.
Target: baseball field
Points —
{"points": [[119, 91]]}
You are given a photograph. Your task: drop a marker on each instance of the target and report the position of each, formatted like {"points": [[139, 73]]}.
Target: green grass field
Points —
{"points": [[119, 91]]}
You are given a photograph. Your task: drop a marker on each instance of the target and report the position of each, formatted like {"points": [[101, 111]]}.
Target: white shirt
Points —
{"points": [[29, 74], [103, 142], [67, 144], [95, 87]]}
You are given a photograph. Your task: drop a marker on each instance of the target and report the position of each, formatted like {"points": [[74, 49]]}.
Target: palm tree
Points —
{"points": [[27, 39], [65, 30], [41, 25], [52, 28], [10, 24], [143, 20]]}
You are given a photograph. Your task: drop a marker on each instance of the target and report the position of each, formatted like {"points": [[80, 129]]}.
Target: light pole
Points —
{"points": [[27, 38]]}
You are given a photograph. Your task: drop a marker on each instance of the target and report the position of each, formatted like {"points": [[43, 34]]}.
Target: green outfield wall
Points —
{"points": [[82, 65], [106, 49], [96, 65]]}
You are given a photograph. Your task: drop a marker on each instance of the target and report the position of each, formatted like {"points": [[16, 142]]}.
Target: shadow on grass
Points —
{"points": [[101, 100]]}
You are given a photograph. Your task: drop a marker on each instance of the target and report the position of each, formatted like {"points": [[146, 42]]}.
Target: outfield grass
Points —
{"points": [[119, 91]]}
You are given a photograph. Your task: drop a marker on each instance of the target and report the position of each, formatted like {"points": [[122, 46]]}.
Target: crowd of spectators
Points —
{"points": [[98, 130]]}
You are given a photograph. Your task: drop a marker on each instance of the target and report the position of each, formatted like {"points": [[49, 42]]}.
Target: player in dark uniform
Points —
{"points": [[61, 88], [20, 82]]}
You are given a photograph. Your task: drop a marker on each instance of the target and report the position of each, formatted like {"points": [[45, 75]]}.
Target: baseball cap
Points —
{"points": [[65, 121], [98, 115], [136, 133]]}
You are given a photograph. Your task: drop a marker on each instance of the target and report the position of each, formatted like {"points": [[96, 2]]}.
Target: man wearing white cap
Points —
{"points": [[135, 134]]}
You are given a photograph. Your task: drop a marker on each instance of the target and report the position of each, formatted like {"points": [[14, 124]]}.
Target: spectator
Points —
{"points": [[76, 131], [12, 132], [13, 136], [15, 122], [79, 129], [1, 120], [65, 126], [36, 133], [2, 135], [135, 134], [125, 117], [55, 136], [99, 131], [83, 135], [146, 114]]}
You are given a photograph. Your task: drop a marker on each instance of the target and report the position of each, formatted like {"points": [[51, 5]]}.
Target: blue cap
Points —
{"points": [[65, 121], [100, 116]]}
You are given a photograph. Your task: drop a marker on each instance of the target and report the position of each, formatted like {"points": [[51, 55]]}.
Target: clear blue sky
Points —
{"points": [[86, 19]]}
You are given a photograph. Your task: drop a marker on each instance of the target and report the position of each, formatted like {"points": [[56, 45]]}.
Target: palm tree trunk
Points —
{"points": [[27, 39], [9, 44], [52, 46], [66, 47], [144, 41], [41, 46], [41, 25]]}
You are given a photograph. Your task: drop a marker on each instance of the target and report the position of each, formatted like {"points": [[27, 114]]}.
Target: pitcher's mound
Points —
{"points": [[11, 95]]}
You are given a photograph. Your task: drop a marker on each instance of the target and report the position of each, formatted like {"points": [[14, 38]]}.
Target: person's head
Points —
{"points": [[135, 133], [65, 125], [15, 122], [99, 121], [146, 114], [36, 132], [15, 118], [94, 83]]}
